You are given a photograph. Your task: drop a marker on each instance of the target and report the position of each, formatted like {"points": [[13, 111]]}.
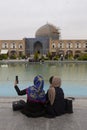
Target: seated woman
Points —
{"points": [[55, 98], [36, 98]]}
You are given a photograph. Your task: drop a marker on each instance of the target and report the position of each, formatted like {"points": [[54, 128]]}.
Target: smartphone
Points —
{"points": [[17, 79]]}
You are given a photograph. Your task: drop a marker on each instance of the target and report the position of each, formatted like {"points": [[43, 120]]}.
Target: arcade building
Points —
{"points": [[47, 39]]}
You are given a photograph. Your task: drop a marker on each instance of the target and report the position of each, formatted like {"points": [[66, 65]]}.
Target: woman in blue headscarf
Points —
{"points": [[36, 98]]}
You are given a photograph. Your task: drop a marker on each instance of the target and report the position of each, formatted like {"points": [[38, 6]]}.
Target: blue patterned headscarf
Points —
{"points": [[36, 93], [39, 83]]}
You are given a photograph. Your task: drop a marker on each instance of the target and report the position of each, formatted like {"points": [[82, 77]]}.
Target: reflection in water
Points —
{"points": [[73, 75], [4, 65]]}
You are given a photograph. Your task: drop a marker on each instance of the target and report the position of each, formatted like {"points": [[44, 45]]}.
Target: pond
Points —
{"points": [[73, 75]]}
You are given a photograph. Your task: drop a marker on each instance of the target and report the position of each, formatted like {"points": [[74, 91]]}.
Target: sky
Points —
{"points": [[22, 18]]}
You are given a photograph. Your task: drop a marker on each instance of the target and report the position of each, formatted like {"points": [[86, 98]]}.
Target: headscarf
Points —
{"points": [[56, 82], [36, 93]]}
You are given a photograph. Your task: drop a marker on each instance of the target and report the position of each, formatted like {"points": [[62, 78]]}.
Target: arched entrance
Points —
{"points": [[13, 52], [38, 47], [69, 52], [78, 52], [61, 52]]}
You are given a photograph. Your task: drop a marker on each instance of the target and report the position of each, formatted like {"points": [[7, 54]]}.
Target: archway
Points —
{"points": [[13, 52], [78, 52], [38, 47], [69, 52], [61, 52]]}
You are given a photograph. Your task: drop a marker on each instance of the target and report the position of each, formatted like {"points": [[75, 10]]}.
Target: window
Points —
{"points": [[78, 45], [60, 45], [68, 45], [13, 45], [75, 45], [53, 45], [20, 46], [85, 45], [4, 45]]}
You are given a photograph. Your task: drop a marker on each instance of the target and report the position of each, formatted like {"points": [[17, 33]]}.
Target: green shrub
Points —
{"points": [[3, 56], [13, 57], [55, 57], [83, 57], [23, 56], [76, 56], [36, 56], [46, 58]]}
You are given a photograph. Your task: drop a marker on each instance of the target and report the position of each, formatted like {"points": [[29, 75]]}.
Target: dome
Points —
{"points": [[47, 30]]}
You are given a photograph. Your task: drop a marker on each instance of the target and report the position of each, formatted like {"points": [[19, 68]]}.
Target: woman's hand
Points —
{"points": [[15, 83]]}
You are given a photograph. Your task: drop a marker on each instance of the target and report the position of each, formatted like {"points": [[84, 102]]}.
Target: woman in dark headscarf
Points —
{"points": [[55, 97], [36, 98]]}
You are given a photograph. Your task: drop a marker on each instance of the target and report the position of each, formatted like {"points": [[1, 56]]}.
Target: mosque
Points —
{"points": [[47, 39], [42, 40]]}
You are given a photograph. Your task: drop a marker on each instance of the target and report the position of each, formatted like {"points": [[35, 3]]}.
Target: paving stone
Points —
{"points": [[10, 120]]}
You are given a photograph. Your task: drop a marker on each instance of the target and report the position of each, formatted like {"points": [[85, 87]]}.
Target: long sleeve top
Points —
{"points": [[32, 109], [20, 92]]}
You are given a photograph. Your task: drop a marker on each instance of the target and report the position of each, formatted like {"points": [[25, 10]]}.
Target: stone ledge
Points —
{"points": [[10, 120]]}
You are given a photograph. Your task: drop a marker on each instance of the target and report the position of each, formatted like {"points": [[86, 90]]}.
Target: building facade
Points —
{"points": [[74, 47], [33, 45], [12, 47], [47, 39]]}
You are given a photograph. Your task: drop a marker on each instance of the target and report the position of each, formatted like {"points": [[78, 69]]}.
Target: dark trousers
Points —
{"points": [[18, 105]]}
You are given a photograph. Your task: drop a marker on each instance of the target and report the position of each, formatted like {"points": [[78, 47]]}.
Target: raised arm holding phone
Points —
{"points": [[36, 98]]}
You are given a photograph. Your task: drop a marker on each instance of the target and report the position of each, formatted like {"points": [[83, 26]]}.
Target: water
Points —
{"points": [[73, 75]]}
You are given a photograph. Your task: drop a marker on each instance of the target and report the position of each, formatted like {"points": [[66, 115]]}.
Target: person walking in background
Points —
{"points": [[55, 97], [36, 98]]}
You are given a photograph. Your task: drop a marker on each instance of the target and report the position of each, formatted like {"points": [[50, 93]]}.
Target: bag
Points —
{"points": [[18, 105], [68, 105]]}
